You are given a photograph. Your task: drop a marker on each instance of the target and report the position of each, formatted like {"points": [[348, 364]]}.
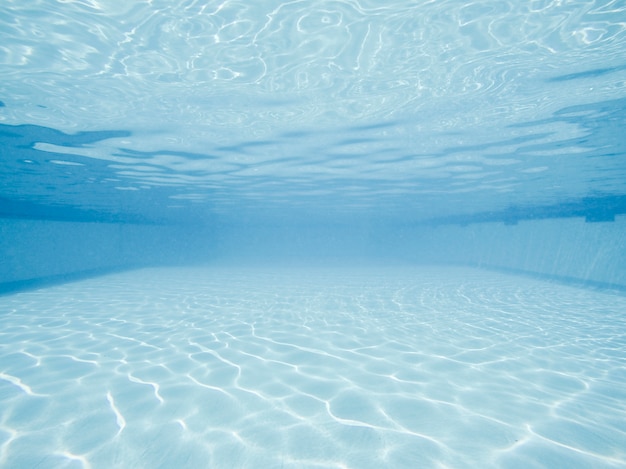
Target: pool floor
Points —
{"points": [[286, 367]]}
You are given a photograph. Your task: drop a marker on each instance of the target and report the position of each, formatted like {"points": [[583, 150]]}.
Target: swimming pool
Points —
{"points": [[312, 234]]}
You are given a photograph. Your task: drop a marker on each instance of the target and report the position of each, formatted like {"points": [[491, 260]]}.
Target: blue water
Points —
{"points": [[412, 111], [312, 233]]}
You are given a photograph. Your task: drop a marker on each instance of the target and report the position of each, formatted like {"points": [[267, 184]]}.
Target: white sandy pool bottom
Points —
{"points": [[312, 368]]}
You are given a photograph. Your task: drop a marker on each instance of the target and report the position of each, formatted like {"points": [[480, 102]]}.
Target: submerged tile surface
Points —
{"points": [[247, 367]]}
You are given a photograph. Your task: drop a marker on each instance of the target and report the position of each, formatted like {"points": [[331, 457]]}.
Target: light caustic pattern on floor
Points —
{"points": [[362, 368]]}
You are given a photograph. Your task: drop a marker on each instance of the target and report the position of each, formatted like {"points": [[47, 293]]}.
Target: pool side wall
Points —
{"points": [[567, 248], [33, 249]]}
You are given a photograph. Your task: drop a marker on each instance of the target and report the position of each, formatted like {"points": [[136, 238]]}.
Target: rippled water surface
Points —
{"points": [[312, 368], [411, 110]]}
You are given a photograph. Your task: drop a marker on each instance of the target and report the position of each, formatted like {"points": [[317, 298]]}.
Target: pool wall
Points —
{"points": [[38, 249], [567, 249]]}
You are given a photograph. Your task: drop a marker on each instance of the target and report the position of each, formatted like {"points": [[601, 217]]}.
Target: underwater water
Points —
{"points": [[312, 234]]}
